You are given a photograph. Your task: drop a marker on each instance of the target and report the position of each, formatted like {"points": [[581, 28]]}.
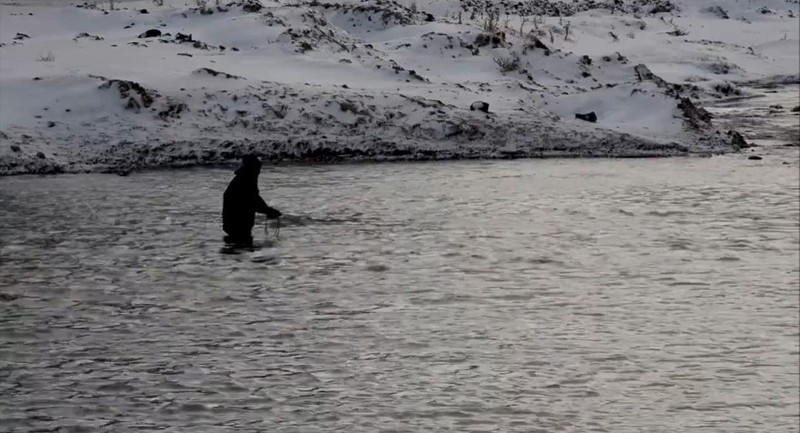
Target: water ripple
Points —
{"points": [[624, 296]]}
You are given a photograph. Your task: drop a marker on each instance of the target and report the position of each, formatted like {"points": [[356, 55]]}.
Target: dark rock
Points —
{"points": [[200, 45], [415, 75], [737, 140], [40, 155], [589, 117], [252, 6], [21, 36], [796, 109], [727, 89], [429, 18], [152, 33], [755, 158], [133, 92], [88, 36], [305, 47], [643, 73], [234, 49], [537, 43], [718, 11], [496, 39], [662, 6], [585, 60], [214, 73], [173, 111], [479, 106], [15, 148], [185, 54], [348, 106], [695, 116], [51, 124], [722, 68], [180, 37], [39, 78], [143, 11]]}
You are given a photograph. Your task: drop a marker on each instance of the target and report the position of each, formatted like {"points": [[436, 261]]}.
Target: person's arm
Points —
{"points": [[261, 207]]}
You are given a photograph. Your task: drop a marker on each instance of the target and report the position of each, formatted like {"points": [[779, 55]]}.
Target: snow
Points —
{"points": [[372, 80]]}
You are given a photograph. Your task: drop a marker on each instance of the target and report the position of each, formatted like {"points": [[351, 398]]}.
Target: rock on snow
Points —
{"points": [[377, 80]]}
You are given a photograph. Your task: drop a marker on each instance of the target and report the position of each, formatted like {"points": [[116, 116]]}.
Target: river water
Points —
{"points": [[554, 295]]}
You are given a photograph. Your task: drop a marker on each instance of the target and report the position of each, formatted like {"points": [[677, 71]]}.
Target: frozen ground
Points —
{"points": [[81, 88]]}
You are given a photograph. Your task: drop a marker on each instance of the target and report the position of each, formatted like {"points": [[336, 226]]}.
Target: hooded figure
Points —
{"points": [[241, 201]]}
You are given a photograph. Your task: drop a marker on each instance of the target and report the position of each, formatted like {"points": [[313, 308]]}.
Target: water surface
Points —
{"points": [[557, 295]]}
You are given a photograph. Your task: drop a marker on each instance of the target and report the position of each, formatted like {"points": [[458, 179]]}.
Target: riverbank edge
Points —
{"points": [[329, 157]]}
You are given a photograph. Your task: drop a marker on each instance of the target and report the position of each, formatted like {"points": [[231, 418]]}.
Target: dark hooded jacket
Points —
{"points": [[241, 201]]}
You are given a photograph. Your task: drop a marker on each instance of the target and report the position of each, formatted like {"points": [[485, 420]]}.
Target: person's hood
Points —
{"points": [[250, 166]]}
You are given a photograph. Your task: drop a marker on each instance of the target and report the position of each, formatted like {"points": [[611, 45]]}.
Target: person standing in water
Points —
{"points": [[241, 202]]}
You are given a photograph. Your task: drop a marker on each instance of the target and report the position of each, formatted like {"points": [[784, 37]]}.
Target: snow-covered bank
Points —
{"points": [[84, 87]]}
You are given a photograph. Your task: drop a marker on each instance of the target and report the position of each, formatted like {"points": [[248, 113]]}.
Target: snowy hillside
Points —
{"points": [[88, 87]]}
